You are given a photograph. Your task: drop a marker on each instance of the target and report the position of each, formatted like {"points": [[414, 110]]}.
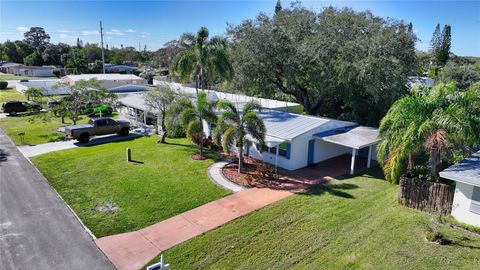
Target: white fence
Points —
{"points": [[236, 98]]}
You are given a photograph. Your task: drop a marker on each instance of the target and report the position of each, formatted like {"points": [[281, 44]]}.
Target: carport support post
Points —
{"points": [[276, 159], [369, 160], [352, 166]]}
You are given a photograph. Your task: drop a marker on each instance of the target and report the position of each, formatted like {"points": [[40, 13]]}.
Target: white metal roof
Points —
{"points": [[104, 77], [281, 125], [466, 171], [357, 137], [287, 126]]}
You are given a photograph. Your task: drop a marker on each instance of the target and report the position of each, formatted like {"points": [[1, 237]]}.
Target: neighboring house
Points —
{"points": [[115, 83], [31, 71], [294, 141], [107, 80], [466, 201], [414, 81]]}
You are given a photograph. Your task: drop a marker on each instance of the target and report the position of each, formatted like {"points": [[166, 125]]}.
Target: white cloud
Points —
{"points": [[65, 36], [63, 31], [115, 32], [22, 29], [131, 31], [90, 33]]}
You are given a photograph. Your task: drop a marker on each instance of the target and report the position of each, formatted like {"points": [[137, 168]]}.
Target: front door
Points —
{"points": [[311, 151]]}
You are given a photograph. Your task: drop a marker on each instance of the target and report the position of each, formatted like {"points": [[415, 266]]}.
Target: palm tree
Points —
{"points": [[439, 121], [33, 93], [204, 59], [193, 118], [239, 128]]}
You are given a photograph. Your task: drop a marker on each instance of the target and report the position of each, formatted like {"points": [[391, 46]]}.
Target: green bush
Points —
{"points": [[3, 85], [57, 73]]}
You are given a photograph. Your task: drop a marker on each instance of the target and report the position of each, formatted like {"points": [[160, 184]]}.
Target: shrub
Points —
{"points": [[24, 80], [3, 85], [57, 73], [435, 236]]}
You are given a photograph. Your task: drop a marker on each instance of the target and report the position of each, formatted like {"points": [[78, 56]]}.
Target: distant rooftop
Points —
{"points": [[104, 77], [466, 171]]}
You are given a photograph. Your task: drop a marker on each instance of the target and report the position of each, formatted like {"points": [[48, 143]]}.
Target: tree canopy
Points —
{"points": [[442, 122], [337, 63]]}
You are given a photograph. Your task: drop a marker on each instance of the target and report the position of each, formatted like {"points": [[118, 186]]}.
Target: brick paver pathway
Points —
{"points": [[131, 251]]}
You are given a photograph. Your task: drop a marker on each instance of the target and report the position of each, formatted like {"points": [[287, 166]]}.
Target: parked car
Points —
{"points": [[53, 103], [14, 107], [97, 126]]}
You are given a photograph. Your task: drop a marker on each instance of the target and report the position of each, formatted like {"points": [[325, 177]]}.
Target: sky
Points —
{"points": [[153, 23]]}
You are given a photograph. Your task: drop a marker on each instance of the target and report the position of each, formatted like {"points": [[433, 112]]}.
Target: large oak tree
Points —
{"points": [[337, 63]]}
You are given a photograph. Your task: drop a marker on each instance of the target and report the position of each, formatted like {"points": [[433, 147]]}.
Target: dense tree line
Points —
{"points": [[36, 50]]}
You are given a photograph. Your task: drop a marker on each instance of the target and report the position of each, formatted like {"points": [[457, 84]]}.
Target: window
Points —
{"points": [[283, 150], [475, 205]]}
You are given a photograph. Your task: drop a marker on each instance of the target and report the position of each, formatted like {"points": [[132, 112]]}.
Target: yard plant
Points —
{"points": [[192, 118], [239, 129]]}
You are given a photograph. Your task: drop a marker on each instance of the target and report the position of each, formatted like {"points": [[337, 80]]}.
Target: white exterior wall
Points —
{"points": [[325, 150], [299, 150], [461, 205]]}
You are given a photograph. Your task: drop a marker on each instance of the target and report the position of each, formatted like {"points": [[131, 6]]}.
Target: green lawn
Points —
{"points": [[11, 94], [349, 224], [37, 129], [15, 77], [168, 183]]}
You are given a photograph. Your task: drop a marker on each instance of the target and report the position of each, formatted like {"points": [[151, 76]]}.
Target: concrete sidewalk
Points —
{"points": [[131, 251], [40, 149]]}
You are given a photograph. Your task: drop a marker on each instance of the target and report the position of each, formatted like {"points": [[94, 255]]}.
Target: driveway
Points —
{"points": [[40, 149], [37, 229]]}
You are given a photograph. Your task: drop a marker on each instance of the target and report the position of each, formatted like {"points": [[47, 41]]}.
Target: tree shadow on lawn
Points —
{"points": [[333, 189], [193, 149]]}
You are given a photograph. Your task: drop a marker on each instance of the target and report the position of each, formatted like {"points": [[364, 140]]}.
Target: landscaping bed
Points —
{"points": [[111, 195], [354, 223]]}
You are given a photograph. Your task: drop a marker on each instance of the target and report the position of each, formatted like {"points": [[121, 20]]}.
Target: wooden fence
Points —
{"points": [[434, 198]]}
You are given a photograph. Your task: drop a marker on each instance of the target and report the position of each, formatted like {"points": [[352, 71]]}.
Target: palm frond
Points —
{"points": [[225, 104], [193, 127], [188, 115], [252, 106], [228, 138]]}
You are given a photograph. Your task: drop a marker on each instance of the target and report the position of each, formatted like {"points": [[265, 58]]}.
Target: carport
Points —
{"points": [[355, 137]]}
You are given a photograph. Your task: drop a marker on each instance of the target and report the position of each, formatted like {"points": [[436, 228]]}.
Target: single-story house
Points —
{"points": [[32, 71], [466, 200], [294, 141], [108, 81]]}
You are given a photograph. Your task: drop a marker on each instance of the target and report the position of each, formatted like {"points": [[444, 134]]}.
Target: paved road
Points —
{"points": [[37, 229]]}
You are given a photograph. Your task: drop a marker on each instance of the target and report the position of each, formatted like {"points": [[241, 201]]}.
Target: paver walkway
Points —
{"points": [[215, 173], [40, 149], [131, 251]]}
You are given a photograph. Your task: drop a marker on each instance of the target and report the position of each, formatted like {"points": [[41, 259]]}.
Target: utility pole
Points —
{"points": [[103, 54]]}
